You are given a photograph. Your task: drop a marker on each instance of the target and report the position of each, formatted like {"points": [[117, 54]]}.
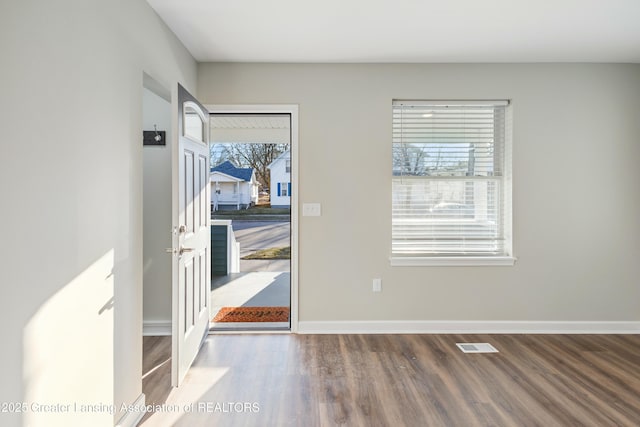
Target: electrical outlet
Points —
{"points": [[377, 285]]}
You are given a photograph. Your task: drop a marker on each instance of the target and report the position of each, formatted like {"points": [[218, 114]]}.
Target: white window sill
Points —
{"points": [[461, 261]]}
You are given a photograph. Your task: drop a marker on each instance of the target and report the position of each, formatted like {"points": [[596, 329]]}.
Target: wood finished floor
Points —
{"points": [[400, 380]]}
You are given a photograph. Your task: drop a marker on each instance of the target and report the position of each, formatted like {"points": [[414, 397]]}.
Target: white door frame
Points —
{"points": [[293, 111]]}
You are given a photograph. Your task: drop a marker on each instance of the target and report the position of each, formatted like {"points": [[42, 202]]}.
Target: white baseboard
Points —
{"points": [[156, 328], [132, 418], [466, 327]]}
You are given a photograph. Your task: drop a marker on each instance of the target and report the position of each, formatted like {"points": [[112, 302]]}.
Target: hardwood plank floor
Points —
{"points": [[399, 380]]}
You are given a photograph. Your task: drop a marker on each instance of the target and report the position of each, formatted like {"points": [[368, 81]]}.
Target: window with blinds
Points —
{"points": [[451, 179]]}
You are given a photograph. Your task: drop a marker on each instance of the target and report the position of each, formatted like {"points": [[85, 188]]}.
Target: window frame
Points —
{"points": [[506, 258], [284, 189]]}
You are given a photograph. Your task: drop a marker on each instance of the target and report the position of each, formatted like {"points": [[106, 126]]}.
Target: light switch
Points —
{"points": [[311, 209]]}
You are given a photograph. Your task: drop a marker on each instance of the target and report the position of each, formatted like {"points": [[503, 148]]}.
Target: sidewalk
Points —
{"points": [[264, 265]]}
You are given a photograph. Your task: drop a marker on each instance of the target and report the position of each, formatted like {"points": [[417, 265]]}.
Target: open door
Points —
{"points": [[191, 235]]}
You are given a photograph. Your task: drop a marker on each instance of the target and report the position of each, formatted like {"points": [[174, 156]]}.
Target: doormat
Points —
{"points": [[252, 314]]}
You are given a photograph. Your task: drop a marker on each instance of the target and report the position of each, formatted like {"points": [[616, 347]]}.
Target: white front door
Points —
{"points": [[191, 242]]}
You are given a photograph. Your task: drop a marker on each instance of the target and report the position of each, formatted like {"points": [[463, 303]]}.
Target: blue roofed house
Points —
{"points": [[233, 188], [280, 173]]}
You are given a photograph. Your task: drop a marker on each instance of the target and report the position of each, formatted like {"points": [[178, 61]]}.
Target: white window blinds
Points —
{"points": [[450, 166]]}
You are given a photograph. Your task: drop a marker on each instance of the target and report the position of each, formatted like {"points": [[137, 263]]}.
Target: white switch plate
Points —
{"points": [[377, 285], [311, 209]]}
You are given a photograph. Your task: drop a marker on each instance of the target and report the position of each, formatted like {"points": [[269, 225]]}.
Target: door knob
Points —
{"points": [[183, 250], [179, 252]]}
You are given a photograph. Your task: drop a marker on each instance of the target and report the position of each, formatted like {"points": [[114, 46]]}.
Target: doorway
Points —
{"points": [[156, 213], [156, 236], [254, 218]]}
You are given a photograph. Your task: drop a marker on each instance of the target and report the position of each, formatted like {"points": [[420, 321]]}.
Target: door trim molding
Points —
{"points": [[291, 109]]}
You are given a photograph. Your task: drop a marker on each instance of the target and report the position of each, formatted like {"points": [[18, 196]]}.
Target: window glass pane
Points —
{"points": [[442, 141], [193, 125], [447, 186], [446, 217]]}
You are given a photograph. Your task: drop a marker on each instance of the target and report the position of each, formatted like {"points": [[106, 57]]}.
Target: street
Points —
{"points": [[256, 235]]}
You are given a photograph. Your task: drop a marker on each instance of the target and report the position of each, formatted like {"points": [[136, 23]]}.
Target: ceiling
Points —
{"points": [[250, 121], [391, 31], [250, 128]]}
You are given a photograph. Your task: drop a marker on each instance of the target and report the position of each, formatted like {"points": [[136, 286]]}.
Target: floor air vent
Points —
{"points": [[476, 347]]}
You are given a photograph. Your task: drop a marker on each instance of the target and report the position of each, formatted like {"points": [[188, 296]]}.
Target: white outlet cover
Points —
{"points": [[311, 209]]}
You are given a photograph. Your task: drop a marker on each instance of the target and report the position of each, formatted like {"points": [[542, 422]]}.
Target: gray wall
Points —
{"points": [[575, 188], [71, 256], [157, 213]]}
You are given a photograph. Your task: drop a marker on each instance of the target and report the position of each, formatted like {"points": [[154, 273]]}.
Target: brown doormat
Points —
{"points": [[252, 314]]}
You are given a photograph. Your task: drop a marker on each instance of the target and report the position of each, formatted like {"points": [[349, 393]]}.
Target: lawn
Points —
{"points": [[271, 253]]}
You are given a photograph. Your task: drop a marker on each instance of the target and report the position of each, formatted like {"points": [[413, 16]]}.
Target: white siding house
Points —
{"points": [[280, 172], [232, 187]]}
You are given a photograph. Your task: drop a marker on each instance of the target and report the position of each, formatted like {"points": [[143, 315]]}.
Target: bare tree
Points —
{"points": [[218, 154], [409, 159], [249, 155]]}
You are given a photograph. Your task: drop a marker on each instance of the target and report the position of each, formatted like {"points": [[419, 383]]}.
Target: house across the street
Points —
{"points": [[280, 171], [233, 188]]}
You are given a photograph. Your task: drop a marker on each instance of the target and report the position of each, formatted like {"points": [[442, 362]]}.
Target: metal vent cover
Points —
{"points": [[482, 347]]}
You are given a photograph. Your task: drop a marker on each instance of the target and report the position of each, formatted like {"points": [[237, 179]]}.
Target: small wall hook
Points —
{"points": [[158, 137]]}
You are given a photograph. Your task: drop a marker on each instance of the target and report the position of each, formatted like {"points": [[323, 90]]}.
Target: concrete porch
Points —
{"points": [[261, 282], [250, 289]]}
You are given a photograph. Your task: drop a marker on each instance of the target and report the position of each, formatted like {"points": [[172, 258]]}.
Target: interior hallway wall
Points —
{"points": [[157, 213]]}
